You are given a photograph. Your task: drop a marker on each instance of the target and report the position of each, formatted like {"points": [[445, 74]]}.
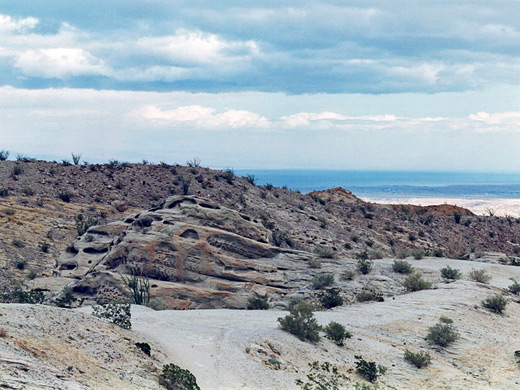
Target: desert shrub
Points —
{"points": [[324, 251], [3, 333], [257, 303], [401, 267], [21, 264], [368, 370], [44, 246], [76, 158], [324, 376], [364, 266], [322, 280], [457, 216], [65, 196], [251, 179], [442, 334], [4, 192], [415, 282], [65, 163], [194, 163], [417, 254], [301, 322], [418, 359], [83, 224], [16, 170], [139, 286], [4, 155], [23, 158], [145, 347], [229, 175], [175, 378], [496, 303], [185, 185], [117, 313], [479, 275], [373, 255], [438, 253], [450, 273], [369, 295], [9, 211], [31, 275], [515, 287], [445, 320], [17, 243], [314, 263], [19, 295], [348, 275], [67, 299], [330, 298], [336, 332]]}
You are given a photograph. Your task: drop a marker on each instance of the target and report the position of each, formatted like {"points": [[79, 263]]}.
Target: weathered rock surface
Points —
{"points": [[196, 254], [44, 347]]}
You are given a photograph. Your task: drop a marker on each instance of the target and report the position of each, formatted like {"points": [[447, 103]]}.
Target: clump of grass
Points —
{"points": [[479, 275], [418, 359], [369, 295], [322, 280]]}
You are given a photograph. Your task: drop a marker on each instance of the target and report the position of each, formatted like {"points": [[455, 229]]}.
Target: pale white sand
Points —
{"points": [[500, 207], [228, 349]]}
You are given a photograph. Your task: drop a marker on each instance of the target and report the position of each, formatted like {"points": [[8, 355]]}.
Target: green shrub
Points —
{"points": [[19, 295], [314, 263], [16, 170], [257, 303], [76, 158], [83, 224], [364, 266], [373, 255], [479, 275], [17, 243], [324, 376], [117, 313], [44, 246], [450, 273], [229, 175], [301, 322], [21, 264], [336, 332], [401, 267], [330, 298], [67, 299], [445, 320], [139, 286], [402, 253], [496, 303], [251, 179], [457, 216], [175, 378], [442, 334], [419, 359], [4, 155], [515, 287], [415, 282], [368, 370], [417, 254], [369, 295], [4, 192], [324, 251], [145, 347], [322, 280], [65, 196], [348, 275]]}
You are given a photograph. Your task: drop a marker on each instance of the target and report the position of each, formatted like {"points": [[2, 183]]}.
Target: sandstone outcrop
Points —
{"points": [[196, 254]]}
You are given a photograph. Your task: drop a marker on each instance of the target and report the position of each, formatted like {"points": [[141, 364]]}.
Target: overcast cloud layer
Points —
{"points": [[306, 82]]}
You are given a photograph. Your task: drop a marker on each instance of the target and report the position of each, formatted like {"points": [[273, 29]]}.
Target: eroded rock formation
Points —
{"points": [[196, 254]]}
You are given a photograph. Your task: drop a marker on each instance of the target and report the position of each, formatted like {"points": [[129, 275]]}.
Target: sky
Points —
{"points": [[355, 85]]}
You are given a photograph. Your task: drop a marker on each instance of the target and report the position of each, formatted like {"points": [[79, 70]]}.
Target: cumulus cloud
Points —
{"points": [[200, 117]]}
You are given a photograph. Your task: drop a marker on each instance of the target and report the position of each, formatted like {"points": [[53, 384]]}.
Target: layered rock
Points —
{"points": [[196, 254]]}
